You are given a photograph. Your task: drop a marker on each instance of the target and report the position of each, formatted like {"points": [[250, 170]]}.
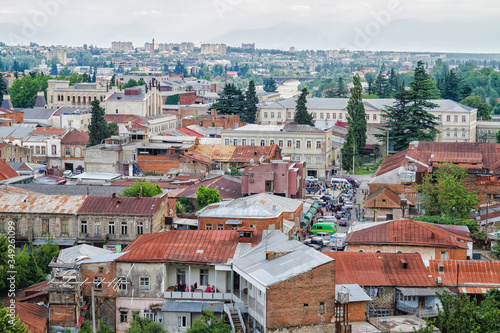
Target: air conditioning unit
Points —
{"points": [[251, 180], [343, 297]]}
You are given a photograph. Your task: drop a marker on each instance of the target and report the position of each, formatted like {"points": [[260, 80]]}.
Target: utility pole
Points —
{"points": [[93, 310], [388, 142]]}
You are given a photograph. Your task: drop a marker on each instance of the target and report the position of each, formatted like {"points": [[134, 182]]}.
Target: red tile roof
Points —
{"points": [[190, 132], [408, 232], [472, 273], [76, 138], [120, 206], [6, 171], [381, 269], [124, 119], [34, 316], [229, 187], [187, 246], [48, 131], [3, 144]]}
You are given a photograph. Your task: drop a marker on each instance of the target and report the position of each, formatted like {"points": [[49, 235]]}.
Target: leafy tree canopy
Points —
{"points": [[144, 325], [270, 85], [209, 323], [483, 109], [145, 188], [24, 90], [44, 254], [11, 325], [206, 196], [445, 193]]}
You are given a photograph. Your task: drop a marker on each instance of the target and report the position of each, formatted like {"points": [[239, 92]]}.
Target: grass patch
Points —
{"points": [[363, 171]]}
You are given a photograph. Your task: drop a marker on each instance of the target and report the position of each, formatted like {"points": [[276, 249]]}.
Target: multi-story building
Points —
{"points": [[140, 101], [122, 46], [59, 54], [299, 142], [45, 144], [71, 118], [457, 122], [12, 153], [61, 94], [219, 49], [72, 146]]}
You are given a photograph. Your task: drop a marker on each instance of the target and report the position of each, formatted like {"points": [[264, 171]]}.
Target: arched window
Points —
{"points": [[361, 250]]}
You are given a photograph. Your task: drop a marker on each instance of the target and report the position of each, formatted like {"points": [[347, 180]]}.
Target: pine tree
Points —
{"points": [[231, 101], [301, 114], [341, 88], [393, 82], [99, 129], [251, 102], [422, 86], [53, 69], [94, 76], [270, 85], [3, 87], [381, 88]]}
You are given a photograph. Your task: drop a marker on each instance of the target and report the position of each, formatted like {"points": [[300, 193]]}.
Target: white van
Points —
{"points": [[340, 181], [327, 219], [337, 241]]}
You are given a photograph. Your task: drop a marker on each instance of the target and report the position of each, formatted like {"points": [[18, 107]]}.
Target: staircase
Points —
{"points": [[238, 325]]}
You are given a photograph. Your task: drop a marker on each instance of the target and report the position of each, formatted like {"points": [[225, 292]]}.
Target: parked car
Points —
{"points": [[348, 205], [326, 198], [311, 179], [314, 246], [343, 222], [67, 174], [316, 240], [339, 215]]}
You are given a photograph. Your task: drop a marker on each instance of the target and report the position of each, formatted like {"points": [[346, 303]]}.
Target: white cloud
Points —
{"points": [[151, 13], [300, 8]]}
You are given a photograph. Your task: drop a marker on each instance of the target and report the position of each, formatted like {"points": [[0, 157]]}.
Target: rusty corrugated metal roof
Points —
{"points": [[33, 315], [78, 138], [48, 131], [408, 232], [186, 246], [381, 269], [120, 206], [6, 171], [471, 273], [40, 203], [383, 198]]}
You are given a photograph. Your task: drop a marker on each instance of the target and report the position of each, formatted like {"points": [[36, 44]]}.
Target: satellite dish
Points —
{"points": [[252, 161]]}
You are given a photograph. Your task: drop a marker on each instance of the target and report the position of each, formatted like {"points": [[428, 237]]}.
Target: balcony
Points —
{"points": [[419, 312], [197, 295]]}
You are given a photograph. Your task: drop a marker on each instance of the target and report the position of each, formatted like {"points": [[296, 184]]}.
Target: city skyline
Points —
{"points": [[393, 25]]}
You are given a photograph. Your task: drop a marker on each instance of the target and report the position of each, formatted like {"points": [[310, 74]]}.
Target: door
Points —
{"points": [[421, 302]]}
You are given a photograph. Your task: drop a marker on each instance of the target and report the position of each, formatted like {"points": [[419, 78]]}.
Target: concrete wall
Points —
{"points": [[275, 223], [13, 153], [427, 253]]}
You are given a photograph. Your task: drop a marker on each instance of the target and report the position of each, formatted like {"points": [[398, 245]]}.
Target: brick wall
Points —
{"points": [[286, 301], [225, 123], [357, 311], [157, 164], [483, 185], [260, 224]]}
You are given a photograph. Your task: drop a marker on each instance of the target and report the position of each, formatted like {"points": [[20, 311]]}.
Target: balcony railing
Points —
{"points": [[197, 295], [420, 312]]}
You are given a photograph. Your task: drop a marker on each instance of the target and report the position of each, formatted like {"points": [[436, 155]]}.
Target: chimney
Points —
{"points": [[404, 263], [213, 112], [139, 196], [113, 196]]}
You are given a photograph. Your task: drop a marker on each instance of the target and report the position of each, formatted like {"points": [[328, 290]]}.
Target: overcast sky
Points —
{"points": [[436, 25]]}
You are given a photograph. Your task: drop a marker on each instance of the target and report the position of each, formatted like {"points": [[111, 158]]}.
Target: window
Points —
{"points": [[455, 118], [235, 142], [181, 321], [123, 316], [45, 227], [448, 118], [444, 255], [97, 283], [308, 144], [204, 277], [226, 142], [101, 269], [297, 144], [54, 150], [43, 150], [441, 269], [315, 116], [181, 275], [220, 226], [327, 116], [122, 283], [64, 227], [455, 132], [297, 157], [265, 114], [279, 115], [321, 307], [374, 117], [252, 142], [111, 228], [463, 119], [319, 160], [308, 159], [271, 142], [67, 151], [243, 142], [144, 285], [37, 149], [208, 226], [280, 143], [234, 227], [272, 114], [321, 115], [367, 117], [124, 228], [83, 227], [463, 132], [289, 143], [340, 115], [334, 116], [149, 314], [447, 132], [318, 144], [140, 228], [289, 115], [262, 142]]}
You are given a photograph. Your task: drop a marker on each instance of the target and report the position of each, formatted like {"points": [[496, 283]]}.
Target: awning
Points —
{"points": [[194, 307], [475, 290], [424, 291], [287, 226], [234, 222], [306, 218]]}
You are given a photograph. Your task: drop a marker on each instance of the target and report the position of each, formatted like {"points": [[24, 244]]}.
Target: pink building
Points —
{"points": [[285, 178]]}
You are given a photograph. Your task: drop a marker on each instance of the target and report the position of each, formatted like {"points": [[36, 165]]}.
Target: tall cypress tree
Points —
{"points": [[382, 86], [356, 118], [251, 101], [340, 88], [302, 116], [99, 129]]}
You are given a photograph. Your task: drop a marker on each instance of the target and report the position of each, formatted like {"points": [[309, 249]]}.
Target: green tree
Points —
{"points": [[209, 323], [206, 196], [53, 70], [180, 68], [28, 273], [445, 193], [5, 256], [483, 109], [381, 87], [143, 325], [270, 85], [408, 118], [184, 205], [356, 115], [393, 82], [231, 101], [340, 93], [3, 87], [43, 255], [130, 83], [302, 116], [251, 102], [99, 129], [24, 90], [143, 187], [11, 325]]}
